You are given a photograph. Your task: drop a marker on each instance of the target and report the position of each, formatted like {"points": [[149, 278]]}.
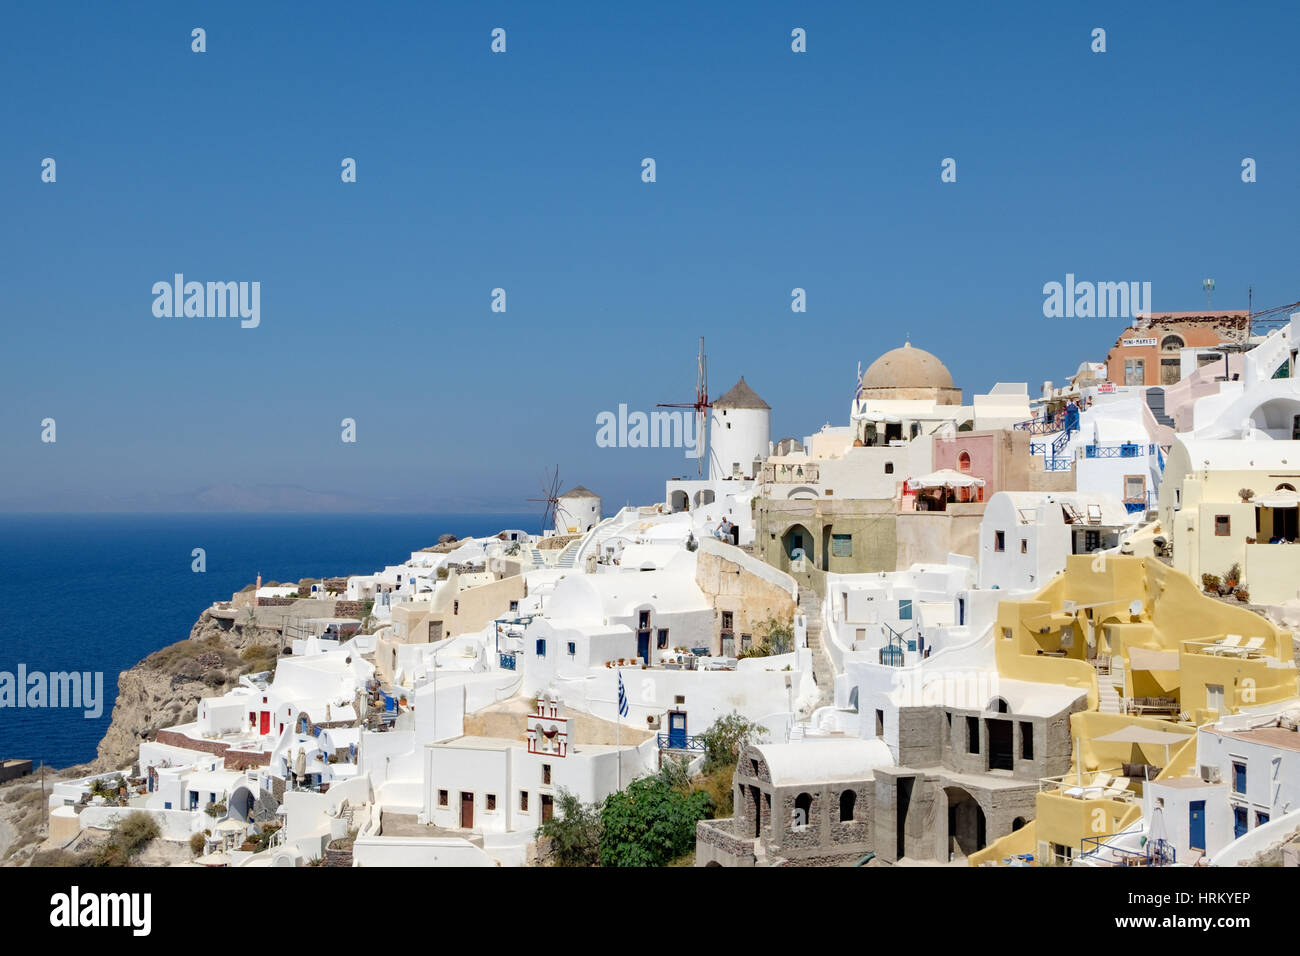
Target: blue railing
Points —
{"points": [[680, 742], [1125, 450], [1039, 426], [507, 661]]}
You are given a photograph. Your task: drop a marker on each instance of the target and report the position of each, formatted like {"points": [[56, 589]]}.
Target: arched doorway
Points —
{"points": [[679, 501], [796, 543], [966, 829], [240, 806]]}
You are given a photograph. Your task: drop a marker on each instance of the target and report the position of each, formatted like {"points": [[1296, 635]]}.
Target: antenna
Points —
{"points": [[1208, 286], [700, 404], [550, 495]]}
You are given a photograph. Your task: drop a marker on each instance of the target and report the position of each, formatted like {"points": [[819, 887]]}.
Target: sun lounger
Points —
{"points": [[1118, 787], [1228, 645]]}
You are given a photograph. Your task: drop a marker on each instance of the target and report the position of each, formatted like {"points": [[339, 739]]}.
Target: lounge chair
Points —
{"points": [[1254, 645], [1118, 787], [1228, 645]]}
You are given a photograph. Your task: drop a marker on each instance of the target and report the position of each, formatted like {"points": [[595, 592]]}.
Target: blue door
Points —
{"points": [[1196, 825], [643, 645], [1240, 822], [676, 730]]}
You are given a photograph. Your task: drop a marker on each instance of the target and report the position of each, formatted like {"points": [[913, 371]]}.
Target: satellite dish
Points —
{"points": [[1135, 608]]}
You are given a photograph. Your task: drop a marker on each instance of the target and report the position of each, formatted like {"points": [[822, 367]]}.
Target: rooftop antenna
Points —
{"points": [[550, 495], [700, 404]]}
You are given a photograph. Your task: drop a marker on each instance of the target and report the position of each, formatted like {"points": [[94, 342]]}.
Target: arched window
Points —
{"points": [[802, 810], [1171, 343], [847, 801], [1285, 486], [963, 461]]}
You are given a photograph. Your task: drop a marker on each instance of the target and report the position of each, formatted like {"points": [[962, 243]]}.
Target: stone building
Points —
{"points": [[955, 780], [796, 805]]}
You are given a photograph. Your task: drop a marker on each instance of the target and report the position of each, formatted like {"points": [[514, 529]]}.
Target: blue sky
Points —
{"points": [[522, 171]]}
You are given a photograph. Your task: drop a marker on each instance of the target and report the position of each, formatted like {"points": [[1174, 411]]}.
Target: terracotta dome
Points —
{"points": [[907, 367]]}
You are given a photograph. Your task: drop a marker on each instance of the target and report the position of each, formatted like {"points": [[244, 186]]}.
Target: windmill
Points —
{"points": [[550, 495], [701, 403]]}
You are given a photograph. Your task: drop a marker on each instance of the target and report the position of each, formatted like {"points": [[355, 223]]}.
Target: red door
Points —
{"points": [[266, 722], [467, 811]]}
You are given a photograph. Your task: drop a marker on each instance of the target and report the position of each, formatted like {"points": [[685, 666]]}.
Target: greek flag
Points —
{"points": [[622, 696]]}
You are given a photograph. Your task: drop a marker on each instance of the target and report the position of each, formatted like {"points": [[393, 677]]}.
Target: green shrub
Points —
{"points": [[725, 739], [574, 832]]}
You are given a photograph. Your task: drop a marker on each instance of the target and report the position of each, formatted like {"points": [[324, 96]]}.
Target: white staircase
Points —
{"points": [[1108, 699]]}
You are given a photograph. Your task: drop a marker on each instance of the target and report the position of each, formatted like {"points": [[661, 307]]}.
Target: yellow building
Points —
{"points": [[1157, 658]]}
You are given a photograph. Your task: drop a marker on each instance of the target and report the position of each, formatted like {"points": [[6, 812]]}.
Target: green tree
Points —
{"points": [[574, 833], [651, 823], [725, 739]]}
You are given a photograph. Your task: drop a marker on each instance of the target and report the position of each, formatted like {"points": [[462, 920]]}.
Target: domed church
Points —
{"points": [[909, 374]]}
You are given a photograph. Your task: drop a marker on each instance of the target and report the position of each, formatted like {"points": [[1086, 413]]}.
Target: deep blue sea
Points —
{"points": [[101, 592]]}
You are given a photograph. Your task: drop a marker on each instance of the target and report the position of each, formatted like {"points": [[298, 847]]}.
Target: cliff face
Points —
{"points": [[165, 688]]}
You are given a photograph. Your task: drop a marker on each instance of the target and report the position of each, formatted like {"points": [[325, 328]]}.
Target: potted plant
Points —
{"points": [[1210, 583], [1232, 577], [1246, 494], [1243, 594]]}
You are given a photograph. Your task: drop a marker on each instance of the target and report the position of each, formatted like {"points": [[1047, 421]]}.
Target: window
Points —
{"points": [[889, 467], [963, 461], [1006, 634], [880, 723], [972, 735], [1026, 740], [514, 605], [573, 648], [999, 541], [1135, 488], [645, 620], [1238, 777], [541, 647], [455, 607], [442, 798], [848, 800], [491, 802], [546, 774], [802, 810], [523, 801], [904, 610], [663, 638], [1222, 526], [1172, 343], [841, 545], [1024, 546], [1260, 818], [167, 805], [727, 619]]}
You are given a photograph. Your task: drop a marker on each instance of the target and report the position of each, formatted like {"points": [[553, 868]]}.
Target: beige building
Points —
{"points": [[460, 605], [1232, 501], [746, 594]]}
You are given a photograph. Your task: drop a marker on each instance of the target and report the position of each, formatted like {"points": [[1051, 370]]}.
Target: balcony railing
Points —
{"points": [[1124, 450], [680, 742], [507, 661]]}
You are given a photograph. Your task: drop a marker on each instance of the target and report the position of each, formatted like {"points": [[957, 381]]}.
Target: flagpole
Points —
{"points": [[618, 731]]}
